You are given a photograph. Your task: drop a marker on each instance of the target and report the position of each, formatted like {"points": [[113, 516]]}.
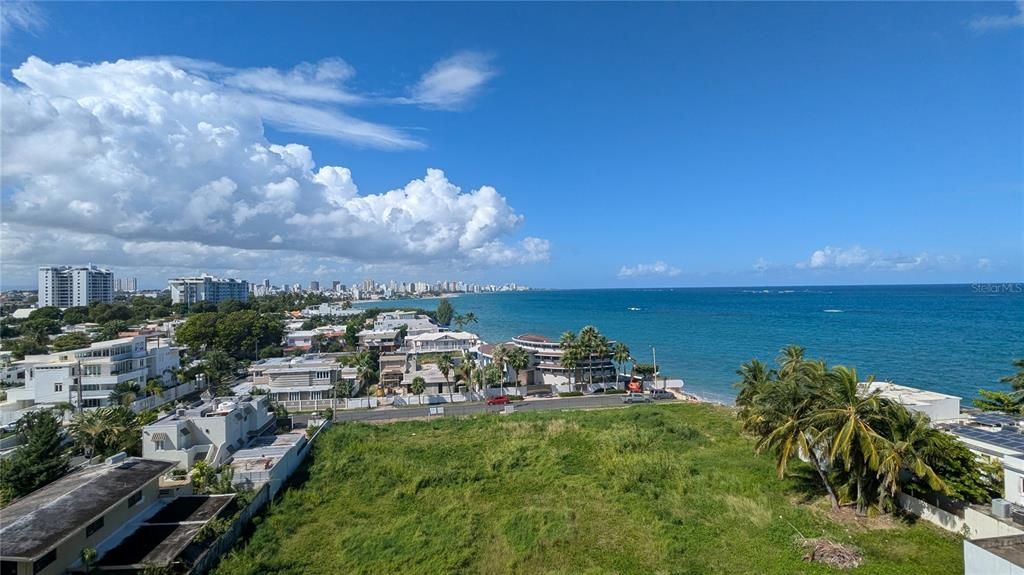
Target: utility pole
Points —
{"points": [[654, 357], [79, 386]]}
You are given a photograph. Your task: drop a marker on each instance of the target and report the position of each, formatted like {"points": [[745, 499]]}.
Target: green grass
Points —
{"points": [[647, 489]]}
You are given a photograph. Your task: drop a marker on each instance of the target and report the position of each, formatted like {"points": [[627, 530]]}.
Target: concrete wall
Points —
{"points": [[1013, 479], [931, 513], [980, 561], [983, 526]]}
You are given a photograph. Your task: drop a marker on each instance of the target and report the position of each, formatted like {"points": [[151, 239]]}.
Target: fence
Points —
{"points": [[223, 544], [930, 513], [167, 396]]}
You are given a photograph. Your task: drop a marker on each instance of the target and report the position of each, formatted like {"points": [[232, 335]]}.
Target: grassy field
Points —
{"points": [[649, 489]]}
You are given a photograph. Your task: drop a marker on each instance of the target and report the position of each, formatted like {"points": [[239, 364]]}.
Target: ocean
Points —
{"points": [[949, 338]]}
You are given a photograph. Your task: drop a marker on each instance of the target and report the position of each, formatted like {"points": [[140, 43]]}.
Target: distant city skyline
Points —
{"points": [[647, 145]]}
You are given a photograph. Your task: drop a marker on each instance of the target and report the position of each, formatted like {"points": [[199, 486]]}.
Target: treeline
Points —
{"points": [[863, 448]]}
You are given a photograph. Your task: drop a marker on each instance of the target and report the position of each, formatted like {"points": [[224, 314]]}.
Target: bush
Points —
{"points": [[570, 394], [614, 390], [514, 397]]}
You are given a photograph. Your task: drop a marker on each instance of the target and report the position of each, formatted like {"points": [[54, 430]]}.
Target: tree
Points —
{"points": [[76, 315], [620, 354], [40, 459], [498, 359], [517, 359], [570, 354], [1016, 380], [22, 346], [999, 401], [907, 448], [462, 320], [111, 330], [199, 331], [444, 312], [76, 340], [155, 386], [108, 430], [45, 313], [124, 393], [219, 368], [465, 369], [851, 420], [418, 385], [445, 365]]}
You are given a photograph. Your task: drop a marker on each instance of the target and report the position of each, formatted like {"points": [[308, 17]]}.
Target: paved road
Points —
{"points": [[396, 413]]}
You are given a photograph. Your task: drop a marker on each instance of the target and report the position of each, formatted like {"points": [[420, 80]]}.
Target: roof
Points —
{"points": [[34, 524], [904, 394], [534, 337], [1010, 548], [464, 335]]}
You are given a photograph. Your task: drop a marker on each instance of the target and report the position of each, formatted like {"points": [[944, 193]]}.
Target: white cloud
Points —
{"points": [[20, 15], [761, 265], [658, 268], [141, 154], [858, 258], [452, 81], [984, 264], [1015, 20]]}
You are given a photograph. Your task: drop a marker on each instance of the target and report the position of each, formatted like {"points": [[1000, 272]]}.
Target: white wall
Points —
{"points": [[1013, 473], [983, 526], [980, 561], [931, 513]]}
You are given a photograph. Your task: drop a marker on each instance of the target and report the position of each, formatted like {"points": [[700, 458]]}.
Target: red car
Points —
{"points": [[499, 400]]}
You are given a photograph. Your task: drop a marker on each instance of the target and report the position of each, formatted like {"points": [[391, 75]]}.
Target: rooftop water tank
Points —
{"points": [[1001, 508]]}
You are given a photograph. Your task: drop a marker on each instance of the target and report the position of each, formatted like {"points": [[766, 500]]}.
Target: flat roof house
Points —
{"points": [[211, 431], [937, 406], [309, 377], [454, 342], [45, 532]]}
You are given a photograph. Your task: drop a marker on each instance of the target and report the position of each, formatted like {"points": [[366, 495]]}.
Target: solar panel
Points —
{"points": [[995, 418], [1005, 438]]}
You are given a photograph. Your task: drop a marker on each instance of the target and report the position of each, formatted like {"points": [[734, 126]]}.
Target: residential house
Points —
{"points": [[937, 406], [309, 377], [45, 532], [413, 322], [211, 431], [454, 342], [379, 341]]}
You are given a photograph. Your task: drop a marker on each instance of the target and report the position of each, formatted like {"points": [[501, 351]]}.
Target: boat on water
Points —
{"points": [[633, 308]]}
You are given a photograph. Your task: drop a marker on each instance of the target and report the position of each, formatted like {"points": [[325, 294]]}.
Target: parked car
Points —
{"points": [[635, 398], [499, 400], [661, 394]]}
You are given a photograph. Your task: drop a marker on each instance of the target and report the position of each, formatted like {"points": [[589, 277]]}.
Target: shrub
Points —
{"points": [[514, 397], [570, 394], [614, 390]]}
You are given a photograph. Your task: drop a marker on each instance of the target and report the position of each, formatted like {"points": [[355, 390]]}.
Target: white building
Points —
{"points": [[211, 431], [441, 342], [208, 288], [310, 377], [72, 286], [53, 378], [330, 309], [414, 323], [937, 406]]}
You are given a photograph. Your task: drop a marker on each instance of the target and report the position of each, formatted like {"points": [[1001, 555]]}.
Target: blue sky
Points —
{"points": [[627, 145]]}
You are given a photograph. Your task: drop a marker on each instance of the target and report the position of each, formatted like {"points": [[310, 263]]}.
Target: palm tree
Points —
{"points": [[790, 360], [498, 360], [64, 408], [850, 421], [445, 365], [124, 393], [570, 353], [785, 412], [755, 377], [517, 359], [1016, 380], [418, 385], [464, 372], [89, 428], [910, 443], [154, 386], [620, 354]]}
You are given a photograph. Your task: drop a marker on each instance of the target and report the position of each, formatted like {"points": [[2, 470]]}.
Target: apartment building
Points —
{"points": [[71, 286], [207, 288], [53, 378]]}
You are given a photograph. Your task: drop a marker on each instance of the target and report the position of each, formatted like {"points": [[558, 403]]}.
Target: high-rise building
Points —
{"points": [[71, 286], [266, 283], [208, 288], [314, 286], [126, 284], [335, 285]]}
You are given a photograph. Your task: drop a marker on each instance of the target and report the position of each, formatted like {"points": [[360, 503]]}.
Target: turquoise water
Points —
{"points": [[953, 338]]}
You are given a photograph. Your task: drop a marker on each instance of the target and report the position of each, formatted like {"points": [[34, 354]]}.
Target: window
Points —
{"points": [[323, 375], [93, 527], [57, 387], [45, 560], [135, 498], [159, 444], [8, 568]]}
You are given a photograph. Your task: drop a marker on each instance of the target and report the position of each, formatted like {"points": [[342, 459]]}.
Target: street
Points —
{"points": [[393, 413]]}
